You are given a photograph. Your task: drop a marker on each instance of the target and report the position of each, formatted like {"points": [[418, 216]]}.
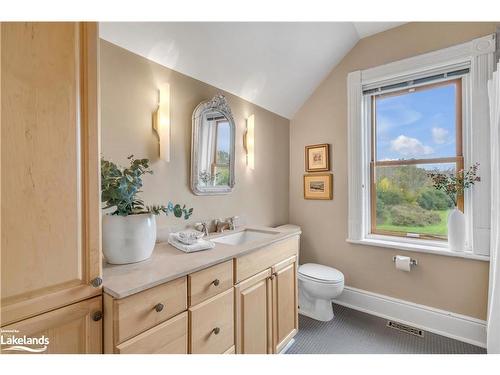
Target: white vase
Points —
{"points": [[128, 239], [456, 230]]}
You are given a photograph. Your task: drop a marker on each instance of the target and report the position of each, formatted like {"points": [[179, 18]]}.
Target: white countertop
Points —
{"points": [[168, 263]]}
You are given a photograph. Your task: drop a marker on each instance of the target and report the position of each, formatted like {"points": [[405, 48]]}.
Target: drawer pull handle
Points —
{"points": [[159, 307], [216, 330], [216, 282], [96, 283], [97, 316]]}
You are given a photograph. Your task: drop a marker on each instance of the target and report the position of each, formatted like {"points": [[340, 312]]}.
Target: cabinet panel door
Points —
{"points": [[49, 166], [285, 303], [70, 330], [253, 314]]}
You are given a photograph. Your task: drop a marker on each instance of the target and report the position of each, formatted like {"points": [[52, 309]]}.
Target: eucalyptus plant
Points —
{"points": [[120, 188]]}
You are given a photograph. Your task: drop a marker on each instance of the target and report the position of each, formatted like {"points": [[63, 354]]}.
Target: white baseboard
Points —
{"points": [[459, 327], [287, 346]]}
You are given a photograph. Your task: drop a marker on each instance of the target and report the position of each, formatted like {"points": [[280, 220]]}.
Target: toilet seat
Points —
{"points": [[320, 273]]}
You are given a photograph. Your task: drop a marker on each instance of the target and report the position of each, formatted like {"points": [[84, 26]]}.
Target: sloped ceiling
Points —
{"points": [[275, 65]]}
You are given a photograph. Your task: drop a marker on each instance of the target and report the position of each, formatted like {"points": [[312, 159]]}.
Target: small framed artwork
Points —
{"points": [[318, 186], [318, 158]]}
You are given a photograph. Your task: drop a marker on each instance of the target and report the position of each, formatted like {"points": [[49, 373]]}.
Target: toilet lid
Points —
{"points": [[321, 273]]}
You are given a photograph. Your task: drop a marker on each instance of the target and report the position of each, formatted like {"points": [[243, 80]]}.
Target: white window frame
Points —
{"points": [[478, 56]]}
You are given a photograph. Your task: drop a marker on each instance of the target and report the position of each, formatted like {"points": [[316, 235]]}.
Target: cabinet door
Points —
{"points": [[74, 329], [285, 303], [253, 314], [50, 211]]}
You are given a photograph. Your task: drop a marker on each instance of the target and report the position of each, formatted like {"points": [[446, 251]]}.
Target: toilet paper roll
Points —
{"points": [[403, 263]]}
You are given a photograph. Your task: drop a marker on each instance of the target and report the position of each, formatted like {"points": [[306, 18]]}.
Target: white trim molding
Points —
{"points": [[477, 56], [445, 323]]}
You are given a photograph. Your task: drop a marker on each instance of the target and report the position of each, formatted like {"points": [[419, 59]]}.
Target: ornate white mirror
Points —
{"points": [[212, 148]]}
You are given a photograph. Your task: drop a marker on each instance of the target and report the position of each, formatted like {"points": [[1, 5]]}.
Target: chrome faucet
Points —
{"points": [[228, 224]]}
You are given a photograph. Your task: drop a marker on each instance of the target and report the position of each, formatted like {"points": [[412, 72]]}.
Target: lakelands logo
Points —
{"points": [[11, 340]]}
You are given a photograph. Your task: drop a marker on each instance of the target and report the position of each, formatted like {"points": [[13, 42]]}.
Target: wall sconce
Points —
{"points": [[249, 142], [161, 121]]}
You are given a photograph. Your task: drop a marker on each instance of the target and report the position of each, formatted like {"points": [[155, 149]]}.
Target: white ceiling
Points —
{"points": [[275, 65]]}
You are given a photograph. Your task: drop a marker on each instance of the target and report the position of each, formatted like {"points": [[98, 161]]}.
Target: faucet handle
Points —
{"points": [[232, 221], [202, 226]]}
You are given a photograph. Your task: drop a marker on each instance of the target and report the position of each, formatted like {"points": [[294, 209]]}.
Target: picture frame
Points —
{"points": [[317, 158], [318, 186]]}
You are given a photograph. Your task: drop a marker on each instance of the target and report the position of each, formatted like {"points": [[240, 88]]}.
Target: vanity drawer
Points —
{"points": [[144, 310], [257, 261], [211, 325], [170, 337], [209, 282]]}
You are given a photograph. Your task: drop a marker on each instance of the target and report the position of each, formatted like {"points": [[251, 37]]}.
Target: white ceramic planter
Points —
{"points": [[456, 230], [128, 239]]}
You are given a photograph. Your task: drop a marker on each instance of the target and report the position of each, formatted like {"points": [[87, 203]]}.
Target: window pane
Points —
{"points": [[223, 137], [222, 175], [416, 125], [406, 201]]}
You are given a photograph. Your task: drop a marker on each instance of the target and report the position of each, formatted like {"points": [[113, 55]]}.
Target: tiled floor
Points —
{"points": [[352, 332]]}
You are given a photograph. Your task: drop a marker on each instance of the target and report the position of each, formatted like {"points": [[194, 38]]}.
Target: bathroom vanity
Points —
{"points": [[240, 297]]}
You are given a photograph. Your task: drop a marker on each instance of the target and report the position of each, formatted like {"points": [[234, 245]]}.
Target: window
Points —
{"points": [[414, 131], [407, 118], [220, 167]]}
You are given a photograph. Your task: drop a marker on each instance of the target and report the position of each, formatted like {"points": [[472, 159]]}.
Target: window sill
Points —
{"points": [[429, 247]]}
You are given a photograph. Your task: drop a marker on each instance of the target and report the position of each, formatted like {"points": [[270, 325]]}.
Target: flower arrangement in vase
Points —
{"points": [[454, 186]]}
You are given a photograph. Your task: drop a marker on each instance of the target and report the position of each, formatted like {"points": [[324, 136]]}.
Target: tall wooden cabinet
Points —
{"points": [[50, 214]]}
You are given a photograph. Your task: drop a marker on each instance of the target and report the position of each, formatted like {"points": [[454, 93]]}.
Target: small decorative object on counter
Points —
{"points": [[454, 186], [178, 240], [129, 232], [189, 237]]}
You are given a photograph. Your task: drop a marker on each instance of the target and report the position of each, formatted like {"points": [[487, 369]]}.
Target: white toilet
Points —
{"points": [[318, 286]]}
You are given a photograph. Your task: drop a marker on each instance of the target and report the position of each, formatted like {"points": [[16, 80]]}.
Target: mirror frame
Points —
{"points": [[217, 103]]}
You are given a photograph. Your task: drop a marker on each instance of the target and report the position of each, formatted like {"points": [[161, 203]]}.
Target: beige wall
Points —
{"points": [[129, 85], [448, 283]]}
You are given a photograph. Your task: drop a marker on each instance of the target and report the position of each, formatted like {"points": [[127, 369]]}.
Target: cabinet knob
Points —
{"points": [[97, 316], [159, 307], [97, 282], [216, 330], [216, 282]]}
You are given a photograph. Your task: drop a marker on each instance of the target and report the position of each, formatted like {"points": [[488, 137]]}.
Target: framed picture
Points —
{"points": [[318, 186], [318, 158]]}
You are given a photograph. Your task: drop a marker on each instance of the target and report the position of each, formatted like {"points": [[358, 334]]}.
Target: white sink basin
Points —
{"points": [[243, 237]]}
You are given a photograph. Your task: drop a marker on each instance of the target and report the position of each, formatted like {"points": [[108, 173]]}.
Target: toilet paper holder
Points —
{"points": [[413, 262]]}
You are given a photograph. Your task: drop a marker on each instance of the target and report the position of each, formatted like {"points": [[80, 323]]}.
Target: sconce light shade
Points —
{"points": [[161, 121], [249, 142]]}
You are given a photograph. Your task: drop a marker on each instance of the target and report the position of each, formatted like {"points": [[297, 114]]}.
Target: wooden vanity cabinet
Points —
{"points": [[207, 312], [50, 251]]}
